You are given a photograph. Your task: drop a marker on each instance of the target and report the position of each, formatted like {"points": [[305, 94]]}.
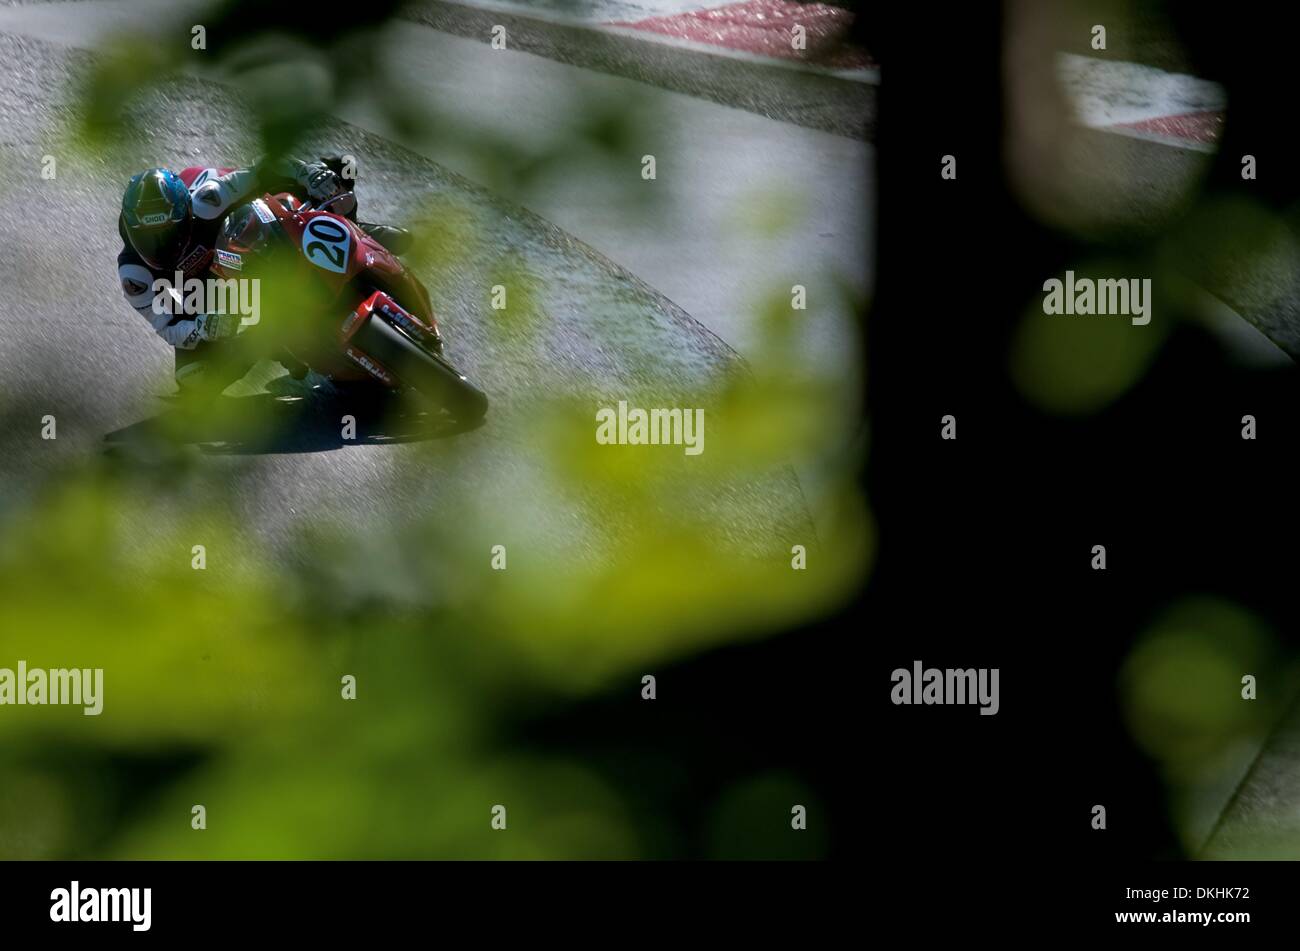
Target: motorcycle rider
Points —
{"points": [[170, 222]]}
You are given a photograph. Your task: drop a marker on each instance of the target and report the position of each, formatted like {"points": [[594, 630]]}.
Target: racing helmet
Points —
{"points": [[158, 217]]}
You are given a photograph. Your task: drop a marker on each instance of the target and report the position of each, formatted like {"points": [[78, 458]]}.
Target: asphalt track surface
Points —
{"points": [[688, 241], [621, 313], [838, 101], [1261, 819]]}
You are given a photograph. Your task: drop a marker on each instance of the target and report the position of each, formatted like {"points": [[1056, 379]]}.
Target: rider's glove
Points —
{"points": [[218, 326], [322, 184]]}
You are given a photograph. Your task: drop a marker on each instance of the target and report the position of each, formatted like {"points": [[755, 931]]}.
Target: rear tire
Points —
{"points": [[415, 367]]}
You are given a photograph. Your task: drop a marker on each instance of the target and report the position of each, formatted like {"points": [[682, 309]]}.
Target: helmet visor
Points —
{"points": [[158, 235]]}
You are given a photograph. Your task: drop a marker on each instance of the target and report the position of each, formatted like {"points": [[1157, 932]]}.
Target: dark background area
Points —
{"points": [[985, 541]]}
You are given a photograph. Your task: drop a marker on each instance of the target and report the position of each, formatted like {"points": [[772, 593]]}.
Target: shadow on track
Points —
{"points": [[307, 419]]}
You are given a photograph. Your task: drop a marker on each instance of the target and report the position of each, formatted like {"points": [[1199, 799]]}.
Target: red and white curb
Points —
{"points": [[1177, 110], [1144, 102], [763, 28], [754, 30]]}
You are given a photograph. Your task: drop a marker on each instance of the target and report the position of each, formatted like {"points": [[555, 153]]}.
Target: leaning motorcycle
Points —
{"points": [[357, 313]]}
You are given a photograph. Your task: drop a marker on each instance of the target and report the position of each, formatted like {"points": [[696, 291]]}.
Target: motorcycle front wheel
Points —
{"points": [[428, 373]]}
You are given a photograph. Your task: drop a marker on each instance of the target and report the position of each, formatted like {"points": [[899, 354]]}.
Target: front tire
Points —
{"points": [[428, 373]]}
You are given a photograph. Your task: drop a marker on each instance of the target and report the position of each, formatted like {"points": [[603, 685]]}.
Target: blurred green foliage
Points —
{"points": [[1181, 690], [1077, 364], [222, 686]]}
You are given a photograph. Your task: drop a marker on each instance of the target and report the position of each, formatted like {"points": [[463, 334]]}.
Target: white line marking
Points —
{"points": [[1107, 93]]}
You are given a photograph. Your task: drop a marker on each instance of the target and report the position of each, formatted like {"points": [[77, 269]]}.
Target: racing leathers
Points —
{"points": [[214, 192]]}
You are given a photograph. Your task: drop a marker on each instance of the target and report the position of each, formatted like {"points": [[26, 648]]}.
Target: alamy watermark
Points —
{"points": [[1085, 296], [927, 685], [78, 686], [229, 295], [654, 427], [74, 904]]}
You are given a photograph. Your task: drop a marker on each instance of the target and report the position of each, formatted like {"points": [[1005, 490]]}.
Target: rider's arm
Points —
{"points": [[184, 333], [314, 180], [215, 197]]}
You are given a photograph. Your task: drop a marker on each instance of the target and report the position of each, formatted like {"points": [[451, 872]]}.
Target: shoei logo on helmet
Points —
{"points": [[230, 259], [158, 219]]}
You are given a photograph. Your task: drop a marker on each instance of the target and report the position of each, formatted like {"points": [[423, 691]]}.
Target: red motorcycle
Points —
{"points": [[363, 315]]}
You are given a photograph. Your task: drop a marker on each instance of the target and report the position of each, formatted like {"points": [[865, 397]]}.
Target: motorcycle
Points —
{"points": [[369, 318]]}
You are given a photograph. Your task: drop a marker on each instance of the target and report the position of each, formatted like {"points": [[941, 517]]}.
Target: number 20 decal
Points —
{"points": [[326, 244]]}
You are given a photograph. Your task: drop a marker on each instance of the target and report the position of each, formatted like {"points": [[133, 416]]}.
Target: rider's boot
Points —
{"points": [[297, 369]]}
